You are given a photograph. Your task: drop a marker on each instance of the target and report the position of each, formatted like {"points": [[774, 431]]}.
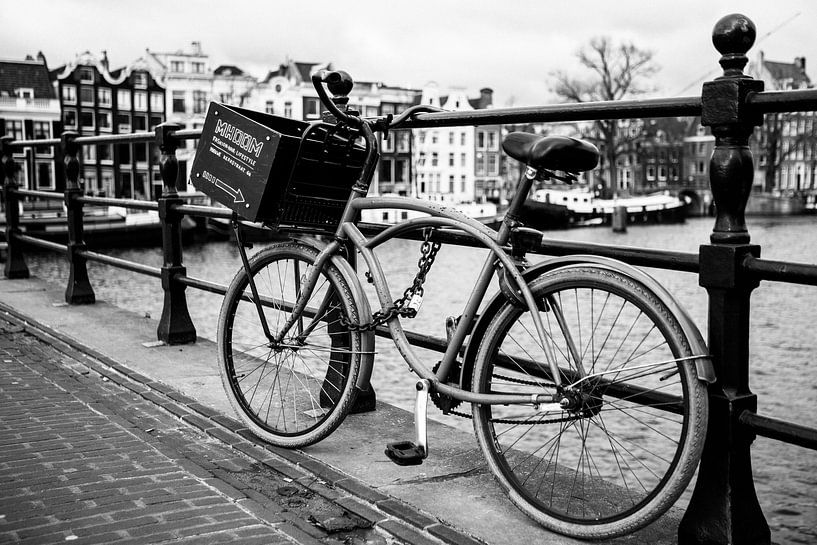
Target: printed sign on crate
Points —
{"points": [[235, 160]]}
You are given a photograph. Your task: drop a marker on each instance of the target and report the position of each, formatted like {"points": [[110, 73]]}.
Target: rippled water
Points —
{"points": [[781, 348]]}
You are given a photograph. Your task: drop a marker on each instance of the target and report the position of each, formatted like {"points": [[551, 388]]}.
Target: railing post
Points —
{"points": [[15, 262], [79, 290], [724, 508], [175, 326]]}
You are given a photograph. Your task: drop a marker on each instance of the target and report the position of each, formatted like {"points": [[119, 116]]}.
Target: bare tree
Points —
{"points": [[617, 71]]}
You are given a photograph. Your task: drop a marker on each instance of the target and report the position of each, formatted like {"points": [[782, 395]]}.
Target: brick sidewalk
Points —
{"points": [[89, 454]]}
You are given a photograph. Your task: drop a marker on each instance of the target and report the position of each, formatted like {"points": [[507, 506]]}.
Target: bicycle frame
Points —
{"points": [[439, 216]]}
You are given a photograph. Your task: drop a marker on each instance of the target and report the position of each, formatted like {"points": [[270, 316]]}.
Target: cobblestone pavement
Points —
{"points": [[94, 454]]}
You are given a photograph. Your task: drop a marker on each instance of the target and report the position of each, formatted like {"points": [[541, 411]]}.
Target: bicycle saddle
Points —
{"points": [[551, 152]]}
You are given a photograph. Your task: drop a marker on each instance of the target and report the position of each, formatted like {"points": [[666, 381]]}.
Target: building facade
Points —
{"points": [[30, 110], [98, 101], [785, 146]]}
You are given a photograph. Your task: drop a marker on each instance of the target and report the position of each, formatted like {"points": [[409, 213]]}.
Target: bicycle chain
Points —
{"points": [[401, 307]]}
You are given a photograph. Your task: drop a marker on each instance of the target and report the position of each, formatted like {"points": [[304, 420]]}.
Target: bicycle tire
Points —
{"points": [[609, 466], [298, 393]]}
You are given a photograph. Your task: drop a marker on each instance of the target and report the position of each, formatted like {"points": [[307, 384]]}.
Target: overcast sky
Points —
{"points": [[512, 46]]}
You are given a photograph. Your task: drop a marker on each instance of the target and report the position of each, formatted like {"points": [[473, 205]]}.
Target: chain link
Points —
{"points": [[401, 307]]}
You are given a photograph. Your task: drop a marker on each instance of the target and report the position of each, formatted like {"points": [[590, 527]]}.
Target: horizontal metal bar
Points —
{"points": [[582, 111], [40, 243], [203, 285], [33, 143], [645, 257], [121, 263], [781, 430], [186, 134], [117, 138], [52, 195], [204, 211], [781, 271], [783, 101], [124, 203]]}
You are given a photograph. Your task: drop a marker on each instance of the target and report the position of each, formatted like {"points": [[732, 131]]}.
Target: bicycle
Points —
{"points": [[586, 379]]}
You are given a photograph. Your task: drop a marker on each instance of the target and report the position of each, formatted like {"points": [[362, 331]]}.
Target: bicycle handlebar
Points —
{"points": [[340, 84]]}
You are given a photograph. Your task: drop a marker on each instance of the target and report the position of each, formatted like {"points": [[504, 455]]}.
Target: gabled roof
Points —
{"points": [[28, 74], [228, 70], [787, 71]]}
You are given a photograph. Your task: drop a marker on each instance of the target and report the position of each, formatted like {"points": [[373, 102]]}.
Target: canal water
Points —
{"points": [[782, 350]]}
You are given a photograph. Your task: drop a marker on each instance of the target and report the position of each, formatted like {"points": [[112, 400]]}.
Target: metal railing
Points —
{"points": [[724, 507]]}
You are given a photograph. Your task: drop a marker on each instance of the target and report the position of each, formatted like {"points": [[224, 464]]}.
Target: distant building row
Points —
{"points": [[456, 164]]}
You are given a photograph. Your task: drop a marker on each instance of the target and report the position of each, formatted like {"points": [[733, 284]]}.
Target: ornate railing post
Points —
{"points": [[15, 262], [724, 506], [79, 290], [175, 326]]}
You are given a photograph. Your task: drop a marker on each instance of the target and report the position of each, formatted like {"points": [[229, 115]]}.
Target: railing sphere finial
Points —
{"points": [[733, 36]]}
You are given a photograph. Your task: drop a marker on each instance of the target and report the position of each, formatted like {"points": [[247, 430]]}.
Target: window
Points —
{"points": [[480, 164], [106, 187], [481, 140], [88, 154], [86, 95], [140, 101], [89, 179], [400, 168], [311, 108], [24, 92], [45, 175], [42, 131], [451, 159], [124, 155], [493, 141], [104, 97], [69, 119], [493, 165], [123, 123], [462, 184], [451, 183], [402, 140], [463, 159], [103, 121], [197, 67], [434, 137], [662, 173], [69, 94], [386, 170], [123, 99], [155, 120], [86, 74], [270, 107], [462, 138], [177, 66], [157, 102], [14, 128], [388, 143], [199, 102], [178, 102], [650, 173], [86, 120], [140, 152], [287, 109], [104, 153], [140, 122], [140, 80], [434, 159], [450, 138]]}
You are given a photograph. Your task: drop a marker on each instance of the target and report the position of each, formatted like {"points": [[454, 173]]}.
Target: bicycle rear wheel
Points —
{"points": [[293, 393], [628, 445]]}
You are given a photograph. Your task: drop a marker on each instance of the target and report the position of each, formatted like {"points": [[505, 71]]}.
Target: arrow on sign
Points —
{"points": [[234, 193]]}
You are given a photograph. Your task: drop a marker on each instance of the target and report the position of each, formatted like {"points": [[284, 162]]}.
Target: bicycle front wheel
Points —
{"points": [[294, 392], [628, 444]]}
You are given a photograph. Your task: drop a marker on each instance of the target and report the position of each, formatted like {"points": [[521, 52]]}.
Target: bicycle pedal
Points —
{"points": [[405, 453]]}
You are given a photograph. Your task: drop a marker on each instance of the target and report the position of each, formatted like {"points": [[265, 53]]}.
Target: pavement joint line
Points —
{"points": [[359, 493]]}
